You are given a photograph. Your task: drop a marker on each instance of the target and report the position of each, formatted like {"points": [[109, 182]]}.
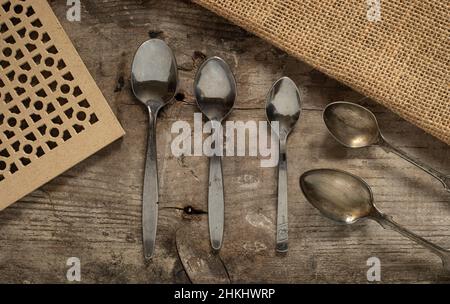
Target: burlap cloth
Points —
{"points": [[401, 61]]}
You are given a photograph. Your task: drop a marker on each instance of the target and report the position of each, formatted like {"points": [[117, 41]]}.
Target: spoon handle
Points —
{"points": [[282, 212], [444, 179], [215, 202], [387, 222], [150, 191]]}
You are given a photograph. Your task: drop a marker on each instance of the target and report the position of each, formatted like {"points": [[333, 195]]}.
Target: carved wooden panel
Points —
{"points": [[52, 115]]}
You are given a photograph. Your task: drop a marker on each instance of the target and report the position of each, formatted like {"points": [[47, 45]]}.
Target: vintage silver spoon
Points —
{"points": [[215, 92], [283, 107], [154, 82], [346, 198], [355, 127]]}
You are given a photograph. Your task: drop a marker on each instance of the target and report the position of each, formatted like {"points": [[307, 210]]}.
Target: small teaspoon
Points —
{"points": [[355, 126]]}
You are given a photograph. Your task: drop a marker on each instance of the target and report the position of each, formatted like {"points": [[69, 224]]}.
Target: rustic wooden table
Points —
{"points": [[93, 211]]}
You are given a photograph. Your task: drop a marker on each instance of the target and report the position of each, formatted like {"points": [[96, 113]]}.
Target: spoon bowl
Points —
{"points": [[352, 125], [283, 105], [215, 89], [346, 198], [154, 76], [340, 196]]}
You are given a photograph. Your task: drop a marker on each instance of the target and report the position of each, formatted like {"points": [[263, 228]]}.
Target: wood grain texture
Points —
{"points": [[93, 211]]}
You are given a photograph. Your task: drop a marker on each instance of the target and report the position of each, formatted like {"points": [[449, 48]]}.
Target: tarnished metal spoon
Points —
{"points": [[355, 127], [283, 107], [154, 82], [346, 198], [215, 92]]}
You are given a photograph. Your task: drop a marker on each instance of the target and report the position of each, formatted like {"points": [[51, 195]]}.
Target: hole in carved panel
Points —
{"points": [[57, 120], [9, 134], [84, 104], [3, 28], [69, 113], [49, 62], [23, 125], [36, 23], [22, 32], [7, 52], [81, 116], [25, 161], [68, 76], [41, 93], [53, 85], [30, 47], [10, 40], [31, 137], [45, 38], [11, 75], [4, 153], [16, 146], [54, 132], [4, 64], [40, 152], [78, 128], [35, 117], [19, 55], [26, 66], [28, 149], [66, 135], [30, 11], [93, 119], [18, 9], [6, 6], [34, 81], [19, 90], [46, 74], [62, 101], [52, 50], [42, 129], [38, 105], [15, 21], [50, 108], [14, 110], [51, 144], [8, 98], [77, 92], [61, 64], [13, 168], [12, 122], [26, 102], [23, 78], [34, 35], [37, 58], [65, 89]]}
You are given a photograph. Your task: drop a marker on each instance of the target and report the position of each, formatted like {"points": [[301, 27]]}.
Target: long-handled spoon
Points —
{"points": [[215, 92], [346, 198], [355, 127], [154, 82], [283, 107]]}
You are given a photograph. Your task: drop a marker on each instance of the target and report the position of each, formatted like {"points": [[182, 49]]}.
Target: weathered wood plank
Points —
{"points": [[93, 211]]}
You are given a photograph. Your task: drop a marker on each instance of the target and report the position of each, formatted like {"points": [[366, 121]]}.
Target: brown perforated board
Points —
{"points": [[52, 114]]}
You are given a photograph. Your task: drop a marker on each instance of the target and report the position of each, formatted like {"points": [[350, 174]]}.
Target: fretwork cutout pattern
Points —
{"points": [[42, 105]]}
